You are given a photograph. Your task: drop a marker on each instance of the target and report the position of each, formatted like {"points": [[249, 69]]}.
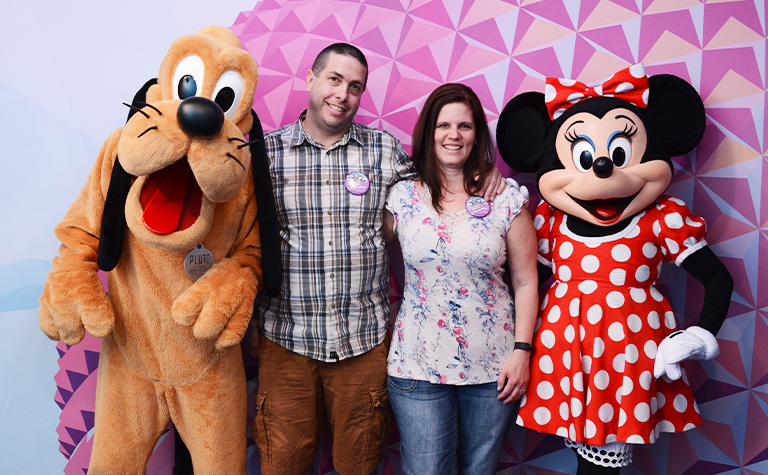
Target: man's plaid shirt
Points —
{"points": [[334, 299]]}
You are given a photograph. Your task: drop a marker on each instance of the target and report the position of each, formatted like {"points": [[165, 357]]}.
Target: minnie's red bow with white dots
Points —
{"points": [[630, 84]]}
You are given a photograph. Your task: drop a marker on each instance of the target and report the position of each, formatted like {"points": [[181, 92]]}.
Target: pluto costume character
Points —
{"points": [[605, 372], [183, 181]]}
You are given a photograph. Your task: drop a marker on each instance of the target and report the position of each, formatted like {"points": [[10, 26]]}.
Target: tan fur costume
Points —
{"points": [[169, 350]]}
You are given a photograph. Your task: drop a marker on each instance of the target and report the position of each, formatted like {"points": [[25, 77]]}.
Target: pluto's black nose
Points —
{"points": [[200, 117]]}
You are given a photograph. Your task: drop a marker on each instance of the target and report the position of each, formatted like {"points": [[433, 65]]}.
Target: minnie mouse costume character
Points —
{"points": [[605, 371]]}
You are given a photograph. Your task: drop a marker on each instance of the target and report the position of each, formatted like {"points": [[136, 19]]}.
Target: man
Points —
{"points": [[323, 352]]}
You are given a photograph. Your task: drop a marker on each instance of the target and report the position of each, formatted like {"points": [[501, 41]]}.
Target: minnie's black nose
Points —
{"points": [[603, 167], [200, 117]]}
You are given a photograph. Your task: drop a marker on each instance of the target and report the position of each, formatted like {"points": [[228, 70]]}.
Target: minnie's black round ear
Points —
{"points": [[677, 113], [521, 131]]}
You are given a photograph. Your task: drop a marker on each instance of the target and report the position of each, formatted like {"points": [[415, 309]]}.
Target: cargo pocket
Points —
{"points": [[260, 424], [379, 422]]}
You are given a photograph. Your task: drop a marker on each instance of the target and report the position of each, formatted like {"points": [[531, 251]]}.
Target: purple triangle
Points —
{"points": [[387, 4], [586, 7], [653, 26], [759, 457], [61, 352], [330, 29], [374, 41], [253, 26], [543, 61], [91, 360], [717, 63], [524, 22], [612, 39], [716, 15], [552, 10], [487, 33], [269, 5], [713, 389], [739, 122], [62, 405], [88, 418], [423, 61], [76, 435], [291, 24], [65, 395], [702, 467], [433, 12], [583, 52], [69, 448], [546, 446], [76, 379], [630, 5]]}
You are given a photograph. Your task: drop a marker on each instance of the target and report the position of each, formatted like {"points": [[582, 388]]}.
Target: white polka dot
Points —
{"points": [[680, 403], [545, 390], [541, 415], [598, 346], [562, 431], [589, 429], [564, 410], [549, 94], [592, 244], [569, 333], [618, 277], [656, 228], [543, 246], [656, 295], [548, 338], [622, 417], [594, 314], [618, 394], [642, 273], [586, 363], [695, 406], [689, 426], [645, 380], [545, 364], [582, 333], [672, 246], [554, 314], [691, 222], [662, 400], [654, 407], [634, 323], [575, 97], [674, 220], [618, 363], [616, 331], [567, 82], [606, 412], [565, 250], [669, 320], [615, 299], [621, 253], [631, 354], [610, 438], [635, 439], [624, 87], [561, 289], [642, 412], [567, 359], [665, 426], [573, 308], [588, 286], [519, 420], [544, 302], [576, 407], [664, 251], [602, 379], [627, 386], [565, 385], [638, 294], [637, 70], [653, 320], [690, 242], [650, 349], [572, 432], [649, 250], [523, 400], [646, 95], [578, 382], [589, 395], [538, 222], [557, 113], [590, 263], [564, 272], [652, 437]]}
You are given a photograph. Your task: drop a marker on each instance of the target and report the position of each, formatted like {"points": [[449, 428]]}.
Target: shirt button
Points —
{"points": [[333, 305], [286, 181], [330, 243], [327, 182], [330, 213], [331, 276]]}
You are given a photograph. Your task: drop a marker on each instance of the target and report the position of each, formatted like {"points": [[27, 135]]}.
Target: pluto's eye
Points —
{"points": [[229, 92], [620, 151], [583, 153], [188, 77]]}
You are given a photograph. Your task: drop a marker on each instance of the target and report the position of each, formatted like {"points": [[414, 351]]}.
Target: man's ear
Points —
{"points": [[154, 94], [310, 79]]}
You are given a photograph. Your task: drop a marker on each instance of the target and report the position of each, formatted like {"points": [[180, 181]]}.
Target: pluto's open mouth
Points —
{"points": [[171, 199], [606, 210]]}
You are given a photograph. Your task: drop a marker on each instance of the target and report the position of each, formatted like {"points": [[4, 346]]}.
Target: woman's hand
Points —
{"points": [[514, 376]]}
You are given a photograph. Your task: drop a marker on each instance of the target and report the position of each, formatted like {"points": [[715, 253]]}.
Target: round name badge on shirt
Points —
{"points": [[477, 207], [357, 183], [197, 262]]}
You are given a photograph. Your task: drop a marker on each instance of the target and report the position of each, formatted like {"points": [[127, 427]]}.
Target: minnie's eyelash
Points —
{"points": [[629, 130], [571, 136]]}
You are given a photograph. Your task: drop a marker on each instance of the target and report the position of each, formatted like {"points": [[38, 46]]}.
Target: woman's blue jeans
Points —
{"points": [[447, 429]]}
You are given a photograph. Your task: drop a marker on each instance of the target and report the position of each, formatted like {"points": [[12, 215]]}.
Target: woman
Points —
{"points": [[460, 350]]}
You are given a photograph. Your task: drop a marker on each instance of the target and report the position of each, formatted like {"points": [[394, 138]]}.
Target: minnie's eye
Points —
{"points": [[620, 151], [188, 77], [583, 153]]}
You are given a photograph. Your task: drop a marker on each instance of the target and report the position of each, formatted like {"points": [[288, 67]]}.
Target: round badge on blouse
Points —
{"points": [[357, 183], [198, 261], [477, 207]]}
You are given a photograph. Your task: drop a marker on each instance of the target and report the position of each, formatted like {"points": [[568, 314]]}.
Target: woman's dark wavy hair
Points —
{"points": [[480, 160]]}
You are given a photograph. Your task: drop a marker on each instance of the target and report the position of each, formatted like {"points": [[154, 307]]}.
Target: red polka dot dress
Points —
{"points": [[600, 325]]}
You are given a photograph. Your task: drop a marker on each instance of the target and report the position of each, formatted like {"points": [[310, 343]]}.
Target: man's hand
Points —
{"points": [[493, 185]]}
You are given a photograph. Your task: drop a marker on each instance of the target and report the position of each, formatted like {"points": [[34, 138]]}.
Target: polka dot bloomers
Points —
{"points": [[599, 328]]}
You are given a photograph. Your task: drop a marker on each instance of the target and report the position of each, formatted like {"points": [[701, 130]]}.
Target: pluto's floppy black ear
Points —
{"points": [[677, 113], [269, 226], [521, 131], [113, 218]]}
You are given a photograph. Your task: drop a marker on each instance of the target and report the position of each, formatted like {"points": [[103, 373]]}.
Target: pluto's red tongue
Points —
{"points": [[171, 199], [606, 209]]}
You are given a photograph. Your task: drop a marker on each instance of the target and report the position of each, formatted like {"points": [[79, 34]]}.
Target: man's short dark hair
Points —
{"points": [[339, 48]]}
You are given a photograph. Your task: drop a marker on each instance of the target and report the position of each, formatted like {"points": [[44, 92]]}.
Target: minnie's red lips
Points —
{"points": [[171, 199], [605, 210]]}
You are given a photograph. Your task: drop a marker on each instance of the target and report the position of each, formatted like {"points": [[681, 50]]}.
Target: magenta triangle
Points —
{"points": [[552, 10], [487, 33], [612, 39], [678, 23], [433, 12], [739, 122], [543, 61], [586, 7], [291, 24]]}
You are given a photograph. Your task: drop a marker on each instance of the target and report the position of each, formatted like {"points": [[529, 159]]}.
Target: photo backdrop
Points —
{"points": [[498, 48]]}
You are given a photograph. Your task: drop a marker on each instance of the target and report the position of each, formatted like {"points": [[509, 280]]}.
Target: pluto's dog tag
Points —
{"points": [[197, 262]]}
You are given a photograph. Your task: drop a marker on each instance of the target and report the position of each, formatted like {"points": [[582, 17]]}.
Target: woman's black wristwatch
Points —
{"points": [[519, 345]]}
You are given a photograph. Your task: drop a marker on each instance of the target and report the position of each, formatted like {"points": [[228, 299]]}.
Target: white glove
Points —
{"points": [[695, 343], [513, 183]]}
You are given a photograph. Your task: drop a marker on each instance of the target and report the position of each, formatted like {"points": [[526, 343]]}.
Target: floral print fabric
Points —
{"points": [[456, 320]]}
